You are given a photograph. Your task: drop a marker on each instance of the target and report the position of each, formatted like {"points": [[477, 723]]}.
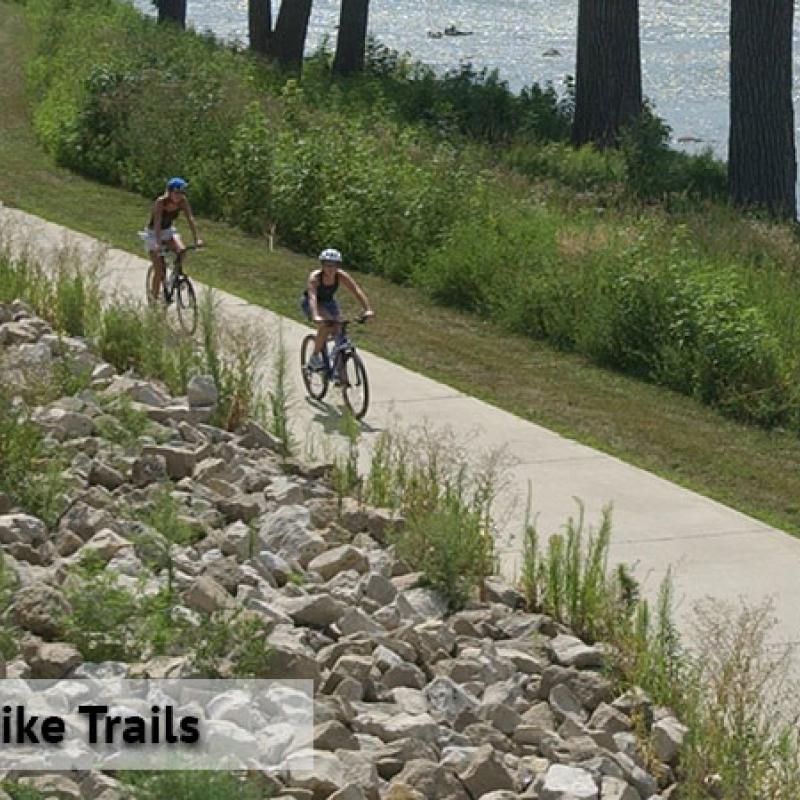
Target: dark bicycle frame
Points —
{"points": [[342, 346], [175, 275]]}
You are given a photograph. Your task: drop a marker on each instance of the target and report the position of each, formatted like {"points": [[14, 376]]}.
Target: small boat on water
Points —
{"points": [[451, 30], [435, 34]]}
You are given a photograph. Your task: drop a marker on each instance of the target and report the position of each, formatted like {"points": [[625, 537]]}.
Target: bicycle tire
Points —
{"points": [[355, 386], [148, 287], [186, 304], [316, 382]]}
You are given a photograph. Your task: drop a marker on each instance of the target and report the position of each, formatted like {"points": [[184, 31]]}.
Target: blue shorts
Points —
{"points": [[331, 308]]}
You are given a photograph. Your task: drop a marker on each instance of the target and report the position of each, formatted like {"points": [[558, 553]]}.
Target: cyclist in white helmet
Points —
{"points": [[319, 302]]}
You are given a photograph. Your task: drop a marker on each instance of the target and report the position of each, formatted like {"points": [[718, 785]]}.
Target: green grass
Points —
{"points": [[751, 469]]}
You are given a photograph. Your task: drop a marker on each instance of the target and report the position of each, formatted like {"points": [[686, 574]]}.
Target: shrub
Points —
{"points": [[30, 474], [453, 550]]}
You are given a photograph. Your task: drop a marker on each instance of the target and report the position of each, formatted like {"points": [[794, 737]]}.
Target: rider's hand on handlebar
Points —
{"points": [[368, 313], [318, 320], [199, 243]]}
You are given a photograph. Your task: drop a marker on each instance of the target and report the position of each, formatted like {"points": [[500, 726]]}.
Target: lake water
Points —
{"points": [[684, 46]]}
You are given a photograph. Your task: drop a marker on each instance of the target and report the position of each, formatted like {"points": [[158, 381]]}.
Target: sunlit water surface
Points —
{"points": [[684, 46]]}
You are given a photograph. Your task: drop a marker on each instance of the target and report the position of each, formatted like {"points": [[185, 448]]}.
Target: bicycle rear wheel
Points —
{"points": [[355, 387], [186, 303], [316, 382]]}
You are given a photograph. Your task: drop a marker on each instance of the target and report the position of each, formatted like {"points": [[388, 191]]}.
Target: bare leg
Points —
{"points": [[158, 274]]}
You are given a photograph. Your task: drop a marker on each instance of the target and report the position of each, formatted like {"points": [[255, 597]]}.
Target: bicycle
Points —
{"points": [[176, 286], [342, 366]]}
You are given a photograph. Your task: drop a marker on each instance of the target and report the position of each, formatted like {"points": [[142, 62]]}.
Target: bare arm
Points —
{"points": [[157, 208], [312, 296], [356, 290], [187, 209]]}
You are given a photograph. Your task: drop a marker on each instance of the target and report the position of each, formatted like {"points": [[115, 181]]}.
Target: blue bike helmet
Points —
{"points": [[176, 185]]}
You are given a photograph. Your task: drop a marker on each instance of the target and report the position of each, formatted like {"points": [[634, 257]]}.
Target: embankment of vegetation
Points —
{"points": [[449, 183]]}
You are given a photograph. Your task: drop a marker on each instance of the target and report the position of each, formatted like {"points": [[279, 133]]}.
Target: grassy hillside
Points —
{"points": [[669, 433]]}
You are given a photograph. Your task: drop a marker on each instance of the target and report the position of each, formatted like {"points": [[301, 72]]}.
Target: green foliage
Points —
{"points": [[654, 171], [128, 423], [162, 516], [30, 474], [191, 785], [9, 634], [445, 493], [110, 622], [570, 580], [408, 173], [231, 356], [105, 622], [280, 397], [452, 548], [21, 791], [135, 338]]}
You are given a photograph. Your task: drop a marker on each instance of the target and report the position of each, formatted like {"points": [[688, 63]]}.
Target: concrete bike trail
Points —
{"points": [[714, 551]]}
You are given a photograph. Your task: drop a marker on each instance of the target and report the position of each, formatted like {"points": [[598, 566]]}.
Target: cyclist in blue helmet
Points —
{"points": [[319, 304], [161, 230]]}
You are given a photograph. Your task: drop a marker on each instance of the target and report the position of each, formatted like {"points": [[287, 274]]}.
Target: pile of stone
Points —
{"points": [[412, 703]]}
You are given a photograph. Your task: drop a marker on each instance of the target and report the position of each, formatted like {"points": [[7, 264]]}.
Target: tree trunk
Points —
{"points": [[351, 43], [289, 39], [171, 11], [608, 74], [762, 163], [259, 24]]}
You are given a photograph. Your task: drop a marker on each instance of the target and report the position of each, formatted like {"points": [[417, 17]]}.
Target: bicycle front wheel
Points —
{"points": [[316, 382], [355, 387], [186, 303]]}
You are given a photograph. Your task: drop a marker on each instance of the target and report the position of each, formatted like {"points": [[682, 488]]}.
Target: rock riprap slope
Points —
{"points": [[491, 702]]}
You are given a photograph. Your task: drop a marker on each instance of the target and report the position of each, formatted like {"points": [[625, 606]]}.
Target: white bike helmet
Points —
{"points": [[329, 254]]}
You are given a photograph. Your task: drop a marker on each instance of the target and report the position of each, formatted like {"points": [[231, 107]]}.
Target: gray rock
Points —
{"points": [[333, 735], [642, 781], [359, 771], [612, 788], [206, 595], [202, 391], [398, 725], [667, 739], [63, 424], [244, 507], [569, 651], [431, 780], [286, 531], [609, 719], [252, 437], [562, 782], [502, 716], [22, 529], [52, 659], [354, 620], [102, 474], [338, 559], [404, 675], [485, 772], [428, 603], [147, 469], [180, 460], [378, 588], [106, 544], [316, 611], [290, 656], [40, 608]]}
